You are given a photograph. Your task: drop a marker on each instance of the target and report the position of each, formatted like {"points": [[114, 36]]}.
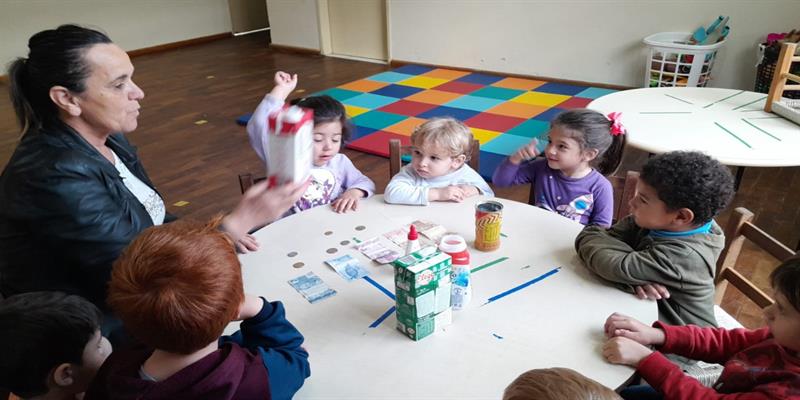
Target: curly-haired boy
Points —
{"points": [[668, 247]]}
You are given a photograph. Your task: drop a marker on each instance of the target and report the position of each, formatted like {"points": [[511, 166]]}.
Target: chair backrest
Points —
{"points": [[740, 227], [781, 75], [247, 179], [624, 189], [397, 151]]}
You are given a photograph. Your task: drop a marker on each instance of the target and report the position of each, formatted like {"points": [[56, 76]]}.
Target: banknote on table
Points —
{"points": [[312, 287], [348, 267], [377, 251]]}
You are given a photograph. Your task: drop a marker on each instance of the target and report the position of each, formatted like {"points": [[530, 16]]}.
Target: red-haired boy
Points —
{"points": [[175, 288]]}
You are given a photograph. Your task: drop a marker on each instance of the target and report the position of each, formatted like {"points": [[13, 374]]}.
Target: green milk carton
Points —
{"points": [[422, 291]]}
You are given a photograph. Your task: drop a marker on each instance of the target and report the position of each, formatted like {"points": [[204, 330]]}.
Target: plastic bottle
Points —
{"points": [[461, 292], [413, 240]]}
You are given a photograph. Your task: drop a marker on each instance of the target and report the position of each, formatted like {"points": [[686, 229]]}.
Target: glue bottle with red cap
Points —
{"points": [[456, 247], [413, 240]]}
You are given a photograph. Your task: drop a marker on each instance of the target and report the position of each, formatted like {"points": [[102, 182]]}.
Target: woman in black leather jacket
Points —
{"points": [[74, 193]]}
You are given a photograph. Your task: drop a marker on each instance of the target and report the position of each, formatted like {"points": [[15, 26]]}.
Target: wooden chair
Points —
{"points": [[397, 151], [739, 228], [247, 179], [778, 86], [624, 189]]}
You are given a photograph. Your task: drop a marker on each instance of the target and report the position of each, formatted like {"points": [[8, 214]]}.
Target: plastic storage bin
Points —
{"points": [[674, 62]]}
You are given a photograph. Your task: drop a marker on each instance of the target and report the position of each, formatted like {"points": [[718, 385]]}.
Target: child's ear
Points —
{"points": [[684, 217], [590, 154], [460, 159], [63, 375], [65, 100]]}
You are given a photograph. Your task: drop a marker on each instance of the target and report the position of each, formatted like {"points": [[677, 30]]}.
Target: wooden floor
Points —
{"points": [[198, 162]]}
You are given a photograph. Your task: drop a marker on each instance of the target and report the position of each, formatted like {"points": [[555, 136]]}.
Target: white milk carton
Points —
{"points": [[290, 145]]}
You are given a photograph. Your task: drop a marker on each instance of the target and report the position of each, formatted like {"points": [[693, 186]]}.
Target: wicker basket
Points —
{"points": [[766, 69]]}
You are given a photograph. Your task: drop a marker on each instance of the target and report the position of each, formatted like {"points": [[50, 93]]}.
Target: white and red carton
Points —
{"points": [[290, 145]]}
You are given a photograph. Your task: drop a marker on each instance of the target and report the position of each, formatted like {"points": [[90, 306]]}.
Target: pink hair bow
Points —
{"points": [[616, 125]]}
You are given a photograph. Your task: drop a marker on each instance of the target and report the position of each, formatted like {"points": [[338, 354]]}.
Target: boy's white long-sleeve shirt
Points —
{"points": [[409, 188]]}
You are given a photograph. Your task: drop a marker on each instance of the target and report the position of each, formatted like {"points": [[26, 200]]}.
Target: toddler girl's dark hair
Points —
{"points": [[38, 332], [327, 109], [592, 130], [786, 280]]}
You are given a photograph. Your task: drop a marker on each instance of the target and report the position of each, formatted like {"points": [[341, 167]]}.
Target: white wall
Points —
{"points": [[593, 41], [294, 23], [132, 24]]}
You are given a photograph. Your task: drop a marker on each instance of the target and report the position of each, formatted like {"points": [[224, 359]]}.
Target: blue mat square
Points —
{"points": [[360, 131], [399, 91], [594, 93], [497, 93], [369, 100], [377, 119], [489, 162], [469, 102], [443, 111], [560, 88], [482, 79], [531, 128], [390, 76], [505, 144], [412, 69], [338, 94], [548, 115]]}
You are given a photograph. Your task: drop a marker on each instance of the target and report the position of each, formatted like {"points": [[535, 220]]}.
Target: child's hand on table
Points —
{"points": [[619, 325], [454, 193], [652, 291], [469, 190], [348, 200], [246, 244], [621, 350]]}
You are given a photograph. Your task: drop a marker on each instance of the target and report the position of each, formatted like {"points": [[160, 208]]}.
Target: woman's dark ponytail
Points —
{"points": [[56, 57], [17, 72]]}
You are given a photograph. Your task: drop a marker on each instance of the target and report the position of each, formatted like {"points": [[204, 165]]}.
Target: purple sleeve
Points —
{"points": [[603, 209], [509, 174], [353, 178]]}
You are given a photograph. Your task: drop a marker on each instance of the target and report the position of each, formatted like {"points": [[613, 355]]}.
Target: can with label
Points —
{"points": [[488, 217], [456, 247]]}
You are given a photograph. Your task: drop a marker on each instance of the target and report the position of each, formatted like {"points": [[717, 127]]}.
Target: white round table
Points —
{"points": [[354, 354], [727, 124]]}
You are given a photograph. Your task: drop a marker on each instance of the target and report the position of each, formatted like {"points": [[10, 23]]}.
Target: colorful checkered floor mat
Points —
{"points": [[503, 113]]}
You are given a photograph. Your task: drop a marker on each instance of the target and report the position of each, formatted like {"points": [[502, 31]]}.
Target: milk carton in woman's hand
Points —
{"points": [[289, 145]]}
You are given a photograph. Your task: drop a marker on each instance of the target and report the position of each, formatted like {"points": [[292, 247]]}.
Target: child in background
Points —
{"points": [[565, 181], [50, 345], [437, 171], [556, 384], [334, 178], [175, 288], [667, 249], [758, 364]]}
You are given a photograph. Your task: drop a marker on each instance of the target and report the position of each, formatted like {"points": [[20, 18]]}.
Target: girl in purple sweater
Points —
{"points": [[583, 145]]}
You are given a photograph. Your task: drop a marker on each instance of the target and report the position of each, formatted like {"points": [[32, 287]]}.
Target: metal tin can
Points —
{"points": [[488, 217]]}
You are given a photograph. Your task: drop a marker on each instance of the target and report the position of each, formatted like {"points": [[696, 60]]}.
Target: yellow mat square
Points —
{"points": [[519, 110], [442, 73], [364, 85], [519, 83], [540, 99], [434, 97], [406, 126], [353, 111], [423, 82], [484, 135]]}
